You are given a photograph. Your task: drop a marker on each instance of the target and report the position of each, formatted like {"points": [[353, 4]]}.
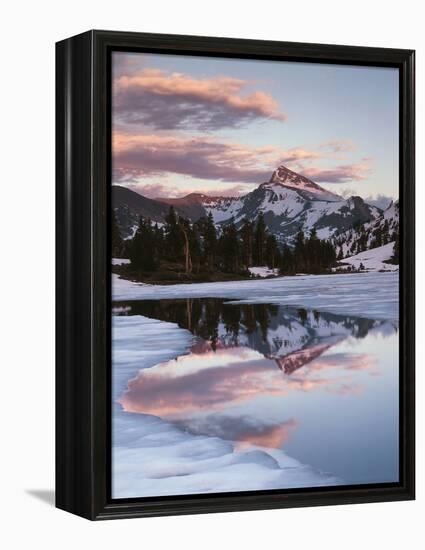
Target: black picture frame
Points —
{"points": [[83, 274]]}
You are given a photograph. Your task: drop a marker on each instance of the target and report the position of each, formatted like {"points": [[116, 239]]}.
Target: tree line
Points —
{"points": [[199, 247]]}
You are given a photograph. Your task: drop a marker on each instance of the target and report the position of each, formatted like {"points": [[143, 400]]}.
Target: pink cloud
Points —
{"points": [[173, 100], [155, 392], [138, 156], [340, 174], [244, 430], [297, 154], [141, 156], [172, 392]]}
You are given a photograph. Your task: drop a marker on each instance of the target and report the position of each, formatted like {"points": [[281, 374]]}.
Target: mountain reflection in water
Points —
{"points": [[263, 375], [290, 336]]}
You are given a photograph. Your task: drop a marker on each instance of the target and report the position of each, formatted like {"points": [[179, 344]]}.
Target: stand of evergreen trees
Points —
{"points": [[199, 247], [309, 255]]}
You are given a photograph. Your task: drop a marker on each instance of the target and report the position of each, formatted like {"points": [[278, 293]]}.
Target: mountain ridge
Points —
{"points": [[289, 202]]}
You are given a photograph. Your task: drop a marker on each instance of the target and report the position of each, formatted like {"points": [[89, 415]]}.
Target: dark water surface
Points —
{"points": [[322, 387]]}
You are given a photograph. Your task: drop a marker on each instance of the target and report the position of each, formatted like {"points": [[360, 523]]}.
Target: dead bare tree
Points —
{"points": [[187, 256]]}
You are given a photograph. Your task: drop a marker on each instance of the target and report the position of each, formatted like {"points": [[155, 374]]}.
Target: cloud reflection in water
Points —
{"points": [[244, 363]]}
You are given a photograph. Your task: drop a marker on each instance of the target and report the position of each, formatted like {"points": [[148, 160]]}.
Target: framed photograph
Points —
{"points": [[235, 274]]}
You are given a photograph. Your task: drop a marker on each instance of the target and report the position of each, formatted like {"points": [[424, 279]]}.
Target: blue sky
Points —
{"points": [[221, 126]]}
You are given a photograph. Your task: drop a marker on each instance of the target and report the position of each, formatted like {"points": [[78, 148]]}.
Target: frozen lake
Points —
{"points": [[248, 387]]}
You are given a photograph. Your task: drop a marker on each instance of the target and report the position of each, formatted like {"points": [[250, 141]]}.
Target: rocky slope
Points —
{"points": [[378, 232]]}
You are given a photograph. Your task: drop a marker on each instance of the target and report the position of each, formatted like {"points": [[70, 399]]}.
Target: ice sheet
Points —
{"points": [[372, 295], [152, 457]]}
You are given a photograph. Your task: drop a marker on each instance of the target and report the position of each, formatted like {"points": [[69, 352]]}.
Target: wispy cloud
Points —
{"points": [[156, 156], [338, 145], [340, 174], [138, 156], [381, 201], [167, 101]]}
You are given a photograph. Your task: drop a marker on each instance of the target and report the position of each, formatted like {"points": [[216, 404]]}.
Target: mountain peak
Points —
{"points": [[283, 174], [288, 178]]}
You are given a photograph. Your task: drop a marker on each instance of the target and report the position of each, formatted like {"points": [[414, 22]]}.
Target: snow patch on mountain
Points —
{"points": [[373, 259], [392, 212], [377, 232], [319, 209], [223, 210], [280, 201]]}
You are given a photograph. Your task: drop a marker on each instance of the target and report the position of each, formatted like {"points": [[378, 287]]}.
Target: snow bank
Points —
{"points": [[372, 295], [263, 271], [120, 261], [153, 457], [374, 259], [133, 230]]}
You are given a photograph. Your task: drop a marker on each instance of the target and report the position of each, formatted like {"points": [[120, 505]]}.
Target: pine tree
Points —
{"points": [[142, 250], [260, 240], [117, 243], [299, 252], [386, 232], [229, 248], [210, 241], [247, 238], [287, 266], [208, 234], [312, 253], [327, 255], [395, 258], [309, 256], [272, 251], [376, 237], [159, 240], [173, 236]]}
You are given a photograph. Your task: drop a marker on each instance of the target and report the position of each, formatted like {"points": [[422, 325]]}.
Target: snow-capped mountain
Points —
{"points": [[303, 185], [289, 202]]}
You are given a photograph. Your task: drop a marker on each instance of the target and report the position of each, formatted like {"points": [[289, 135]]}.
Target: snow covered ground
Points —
{"points": [[374, 259], [371, 295], [120, 261], [263, 271], [152, 457]]}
